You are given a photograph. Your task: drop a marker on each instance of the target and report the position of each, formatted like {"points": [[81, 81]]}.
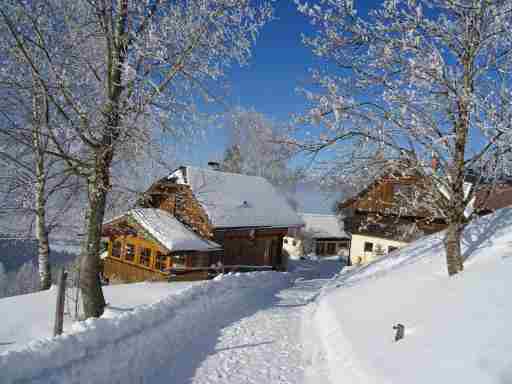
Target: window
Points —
{"points": [[285, 241], [373, 227], [116, 249], [331, 248], [402, 190], [179, 261], [294, 242], [391, 249], [161, 261], [145, 256], [368, 247], [200, 260], [320, 248], [129, 252]]}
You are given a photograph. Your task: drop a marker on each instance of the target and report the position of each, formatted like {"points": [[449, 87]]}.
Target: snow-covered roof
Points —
{"points": [[169, 232], [323, 226], [234, 200]]}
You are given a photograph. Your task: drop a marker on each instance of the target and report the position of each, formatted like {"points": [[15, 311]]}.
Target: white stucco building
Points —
{"points": [[322, 235], [365, 248]]}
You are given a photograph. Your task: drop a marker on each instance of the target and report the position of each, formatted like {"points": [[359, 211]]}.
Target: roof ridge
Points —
{"points": [[318, 214], [227, 173]]}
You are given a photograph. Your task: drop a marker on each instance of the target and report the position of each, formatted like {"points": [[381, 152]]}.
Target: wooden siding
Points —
{"points": [[252, 247], [116, 269], [244, 246], [380, 196], [380, 211], [179, 201], [133, 270], [391, 226]]}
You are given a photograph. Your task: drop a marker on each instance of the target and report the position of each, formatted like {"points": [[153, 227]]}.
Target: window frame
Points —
{"points": [[114, 254], [143, 256], [180, 265], [125, 253], [366, 245], [161, 263]]}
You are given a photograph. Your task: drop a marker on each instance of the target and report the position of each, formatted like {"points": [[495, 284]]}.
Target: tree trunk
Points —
{"points": [[455, 262], [40, 119], [43, 245], [90, 284], [454, 258], [99, 184]]}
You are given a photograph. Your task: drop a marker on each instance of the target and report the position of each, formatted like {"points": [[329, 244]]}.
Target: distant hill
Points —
{"points": [[15, 252]]}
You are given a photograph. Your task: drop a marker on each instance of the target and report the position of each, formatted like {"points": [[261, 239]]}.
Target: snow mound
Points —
{"points": [[456, 329], [132, 347]]}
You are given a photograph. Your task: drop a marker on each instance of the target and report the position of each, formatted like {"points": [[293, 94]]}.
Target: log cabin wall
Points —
{"points": [[131, 259], [115, 269], [380, 197], [252, 247], [378, 211], [390, 226], [179, 201]]}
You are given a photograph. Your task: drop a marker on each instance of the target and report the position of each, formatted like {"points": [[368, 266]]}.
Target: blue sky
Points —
{"points": [[279, 64]]}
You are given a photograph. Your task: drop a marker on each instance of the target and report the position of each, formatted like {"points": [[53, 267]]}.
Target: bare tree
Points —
{"points": [[109, 65], [255, 146], [415, 82], [34, 183]]}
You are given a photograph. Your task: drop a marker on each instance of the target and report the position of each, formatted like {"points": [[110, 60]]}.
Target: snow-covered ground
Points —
{"points": [[456, 329], [241, 328], [29, 317], [316, 324]]}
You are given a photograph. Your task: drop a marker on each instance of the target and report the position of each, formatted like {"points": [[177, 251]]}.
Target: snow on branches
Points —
{"points": [[415, 82]]}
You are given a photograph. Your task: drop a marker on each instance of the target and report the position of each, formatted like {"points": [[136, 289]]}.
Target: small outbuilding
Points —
{"points": [[322, 235], [148, 243]]}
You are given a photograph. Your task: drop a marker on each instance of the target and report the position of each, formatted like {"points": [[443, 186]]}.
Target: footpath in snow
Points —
{"points": [[242, 328], [310, 326], [265, 347]]}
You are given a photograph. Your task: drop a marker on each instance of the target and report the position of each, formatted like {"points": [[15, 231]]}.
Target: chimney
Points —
{"points": [[214, 165]]}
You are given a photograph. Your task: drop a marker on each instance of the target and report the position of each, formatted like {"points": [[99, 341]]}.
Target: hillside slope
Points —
{"points": [[456, 329]]}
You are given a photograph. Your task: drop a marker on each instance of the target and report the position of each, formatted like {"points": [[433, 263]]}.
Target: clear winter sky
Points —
{"points": [[280, 63]]}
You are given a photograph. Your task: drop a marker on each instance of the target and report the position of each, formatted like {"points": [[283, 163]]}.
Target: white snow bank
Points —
{"points": [[31, 316], [456, 329], [134, 346]]}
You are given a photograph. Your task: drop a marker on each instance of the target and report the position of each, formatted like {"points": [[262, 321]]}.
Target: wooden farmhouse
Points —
{"points": [[237, 221], [145, 243], [490, 198], [377, 221], [322, 235]]}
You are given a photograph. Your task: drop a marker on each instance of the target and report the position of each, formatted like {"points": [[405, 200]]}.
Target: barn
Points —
{"points": [[237, 220]]}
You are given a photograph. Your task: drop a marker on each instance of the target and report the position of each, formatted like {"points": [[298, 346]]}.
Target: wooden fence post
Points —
{"points": [[59, 310]]}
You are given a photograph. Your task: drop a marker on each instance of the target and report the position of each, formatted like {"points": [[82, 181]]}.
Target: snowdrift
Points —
{"points": [[456, 329], [134, 346]]}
